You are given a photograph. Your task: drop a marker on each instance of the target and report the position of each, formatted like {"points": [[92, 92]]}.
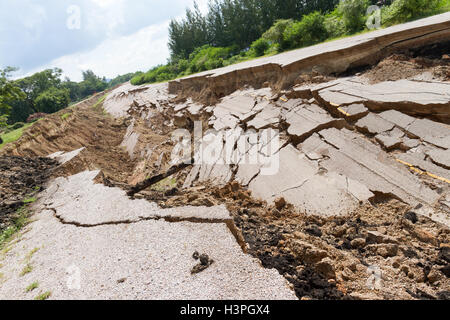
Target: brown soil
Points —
{"points": [[20, 179], [333, 258], [88, 127], [433, 60]]}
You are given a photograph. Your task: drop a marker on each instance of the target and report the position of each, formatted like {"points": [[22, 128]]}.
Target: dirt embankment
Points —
{"points": [[430, 63], [20, 179], [82, 126]]}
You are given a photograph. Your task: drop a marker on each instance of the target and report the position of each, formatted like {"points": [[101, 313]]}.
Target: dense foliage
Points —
{"points": [[237, 30], [231, 31], [45, 92]]}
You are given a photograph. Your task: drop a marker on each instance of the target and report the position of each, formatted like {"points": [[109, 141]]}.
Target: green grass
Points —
{"points": [[65, 116], [18, 222], [43, 296], [27, 269], [164, 185], [100, 101], [30, 200], [13, 135], [32, 286], [30, 254]]}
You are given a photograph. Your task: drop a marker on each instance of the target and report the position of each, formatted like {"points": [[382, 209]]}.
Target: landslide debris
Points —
{"points": [[20, 179], [426, 63], [382, 250]]}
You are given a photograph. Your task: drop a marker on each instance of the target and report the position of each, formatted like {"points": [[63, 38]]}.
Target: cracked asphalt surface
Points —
{"points": [[144, 259]]}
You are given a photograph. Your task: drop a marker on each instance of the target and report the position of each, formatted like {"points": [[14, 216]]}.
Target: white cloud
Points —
{"points": [[139, 51], [109, 23]]}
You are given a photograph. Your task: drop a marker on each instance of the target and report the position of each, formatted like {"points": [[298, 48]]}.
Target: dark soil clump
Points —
{"points": [[20, 178]]}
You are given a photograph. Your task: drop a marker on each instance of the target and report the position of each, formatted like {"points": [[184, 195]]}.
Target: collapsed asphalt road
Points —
{"points": [[358, 207]]}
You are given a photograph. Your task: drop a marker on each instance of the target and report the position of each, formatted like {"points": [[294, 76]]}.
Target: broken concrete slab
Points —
{"points": [[360, 160], [308, 119], [64, 157], [440, 157], [417, 160], [432, 132], [121, 99], [302, 184], [390, 139], [373, 124], [269, 116], [146, 260], [354, 111], [411, 97], [77, 200], [401, 120]]}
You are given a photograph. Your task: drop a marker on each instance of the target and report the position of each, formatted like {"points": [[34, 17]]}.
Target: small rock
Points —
{"points": [[280, 203], [388, 250], [435, 275], [411, 216], [405, 269], [384, 250], [347, 274], [358, 243], [377, 237], [446, 270], [204, 259], [326, 268], [314, 230], [205, 262], [444, 254], [122, 280]]}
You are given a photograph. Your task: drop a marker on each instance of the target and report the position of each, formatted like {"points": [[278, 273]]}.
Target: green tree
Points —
{"points": [[310, 30], [276, 33], [53, 100], [9, 92], [404, 10], [353, 13]]}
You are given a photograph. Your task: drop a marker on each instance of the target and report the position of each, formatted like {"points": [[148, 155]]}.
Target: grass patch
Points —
{"points": [[18, 222], [27, 269], [100, 101], [32, 286], [30, 254], [43, 296], [13, 135], [30, 200], [65, 116], [164, 185]]}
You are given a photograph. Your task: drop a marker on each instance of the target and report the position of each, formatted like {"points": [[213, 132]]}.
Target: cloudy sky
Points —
{"points": [[110, 37]]}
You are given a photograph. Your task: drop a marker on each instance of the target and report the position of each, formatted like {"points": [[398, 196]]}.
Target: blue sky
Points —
{"points": [[114, 36]]}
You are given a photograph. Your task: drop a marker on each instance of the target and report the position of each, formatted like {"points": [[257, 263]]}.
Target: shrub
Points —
{"points": [[275, 34], [259, 47], [52, 100], [310, 30], [404, 10], [353, 13], [334, 25], [207, 58]]}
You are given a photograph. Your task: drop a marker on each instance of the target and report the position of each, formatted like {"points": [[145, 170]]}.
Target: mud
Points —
{"points": [[427, 63], [20, 179]]}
